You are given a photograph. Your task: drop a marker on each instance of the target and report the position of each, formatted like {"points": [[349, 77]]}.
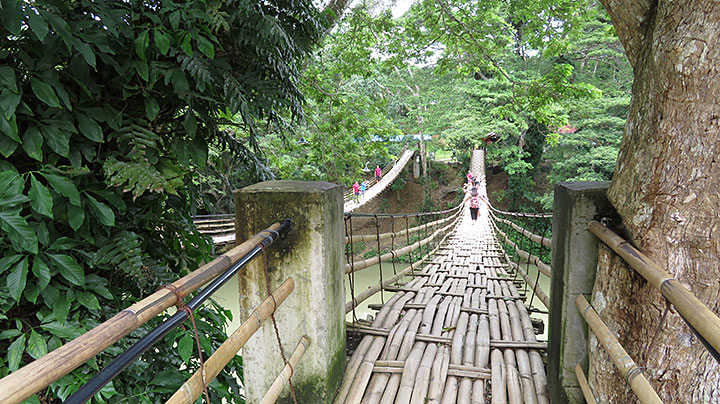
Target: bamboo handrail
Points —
{"points": [[533, 259], [400, 233], [538, 291], [33, 377], [695, 312], [521, 214], [627, 367], [403, 215], [276, 388], [370, 291], [193, 387], [535, 238], [584, 386], [410, 248]]}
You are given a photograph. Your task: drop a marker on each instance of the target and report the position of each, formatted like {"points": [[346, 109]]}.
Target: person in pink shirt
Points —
{"points": [[356, 190], [378, 173]]}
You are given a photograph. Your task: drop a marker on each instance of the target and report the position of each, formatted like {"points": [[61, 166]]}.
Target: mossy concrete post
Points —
{"points": [[574, 262], [312, 254]]}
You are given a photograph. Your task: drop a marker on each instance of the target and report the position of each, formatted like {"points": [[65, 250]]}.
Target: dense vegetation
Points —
{"points": [[119, 120]]}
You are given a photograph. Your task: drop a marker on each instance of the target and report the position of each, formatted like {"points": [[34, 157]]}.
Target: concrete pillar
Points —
{"points": [[574, 262], [312, 253], [416, 167]]}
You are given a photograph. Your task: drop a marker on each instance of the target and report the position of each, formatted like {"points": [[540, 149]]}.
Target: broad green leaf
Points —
{"points": [[13, 200], [89, 300], [31, 292], [151, 109], [57, 139], [141, 68], [44, 92], [41, 272], [185, 347], [19, 231], [7, 261], [17, 279], [40, 198], [7, 145], [9, 102], [205, 46], [69, 268], [186, 46], [7, 78], [76, 216], [86, 52], [63, 243], [36, 346], [141, 44], [65, 331], [190, 123], [61, 308], [32, 400], [90, 129], [9, 127], [7, 334], [15, 351], [32, 141], [37, 24], [104, 214], [64, 187], [11, 16], [162, 41]]}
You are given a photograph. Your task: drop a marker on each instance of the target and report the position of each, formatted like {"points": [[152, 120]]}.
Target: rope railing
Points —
{"points": [[703, 321], [359, 265], [33, 377], [193, 387], [544, 268], [401, 215], [521, 214], [627, 367], [384, 236], [535, 238], [372, 290], [533, 285], [349, 193]]}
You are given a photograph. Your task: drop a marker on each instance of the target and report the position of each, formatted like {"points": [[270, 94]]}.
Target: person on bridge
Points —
{"points": [[363, 187], [474, 198], [469, 176], [378, 173], [356, 191]]}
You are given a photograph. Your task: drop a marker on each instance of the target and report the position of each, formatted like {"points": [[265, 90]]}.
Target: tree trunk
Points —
{"points": [[666, 188]]}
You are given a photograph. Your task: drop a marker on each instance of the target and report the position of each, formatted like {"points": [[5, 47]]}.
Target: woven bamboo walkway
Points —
{"points": [[458, 332]]}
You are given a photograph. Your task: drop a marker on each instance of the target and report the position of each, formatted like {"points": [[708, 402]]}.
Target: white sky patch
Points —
{"points": [[401, 7]]}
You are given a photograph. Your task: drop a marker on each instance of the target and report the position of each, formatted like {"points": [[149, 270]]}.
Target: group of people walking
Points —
{"points": [[473, 195], [359, 188]]}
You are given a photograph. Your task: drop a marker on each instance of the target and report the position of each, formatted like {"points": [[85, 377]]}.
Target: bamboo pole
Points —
{"points": [[627, 367], [497, 385], [276, 388], [193, 387], [531, 282], [584, 386], [410, 248], [384, 236], [33, 377], [535, 238], [544, 268], [700, 317]]}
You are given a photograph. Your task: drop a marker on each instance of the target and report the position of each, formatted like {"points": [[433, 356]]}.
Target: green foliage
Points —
{"points": [[106, 111]]}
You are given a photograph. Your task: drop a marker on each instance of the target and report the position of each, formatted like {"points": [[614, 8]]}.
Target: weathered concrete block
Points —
{"points": [[574, 262], [312, 253]]}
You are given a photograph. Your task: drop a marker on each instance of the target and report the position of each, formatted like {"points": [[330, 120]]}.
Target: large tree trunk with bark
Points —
{"points": [[666, 188]]}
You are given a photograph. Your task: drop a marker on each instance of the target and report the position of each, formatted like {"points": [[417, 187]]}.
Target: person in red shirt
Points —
{"points": [[356, 190], [378, 173], [474, 198]]}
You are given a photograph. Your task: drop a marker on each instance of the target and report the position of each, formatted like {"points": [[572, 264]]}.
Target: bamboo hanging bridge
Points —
{"points": [[458, 332], [456, 329]]}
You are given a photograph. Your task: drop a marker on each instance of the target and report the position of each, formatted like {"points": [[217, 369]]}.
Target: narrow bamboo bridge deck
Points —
{"points": [[458, 332]]}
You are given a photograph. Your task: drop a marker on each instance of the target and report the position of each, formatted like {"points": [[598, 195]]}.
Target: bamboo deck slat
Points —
{"points": [[459, 332]]}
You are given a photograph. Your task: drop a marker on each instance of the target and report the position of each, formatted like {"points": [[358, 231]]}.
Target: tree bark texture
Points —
{"points": [[666, 189]]}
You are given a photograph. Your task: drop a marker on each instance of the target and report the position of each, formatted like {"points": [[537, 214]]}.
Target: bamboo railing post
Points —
{"points": [[277, 386], [584, 386], [695, 312], [193, 387], [624, 364]]}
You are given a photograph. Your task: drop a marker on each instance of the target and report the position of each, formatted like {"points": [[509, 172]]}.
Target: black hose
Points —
{"points": [[94, 385]]}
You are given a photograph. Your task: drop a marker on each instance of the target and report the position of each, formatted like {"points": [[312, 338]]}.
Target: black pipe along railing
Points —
{"points": [[94, 385]]}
